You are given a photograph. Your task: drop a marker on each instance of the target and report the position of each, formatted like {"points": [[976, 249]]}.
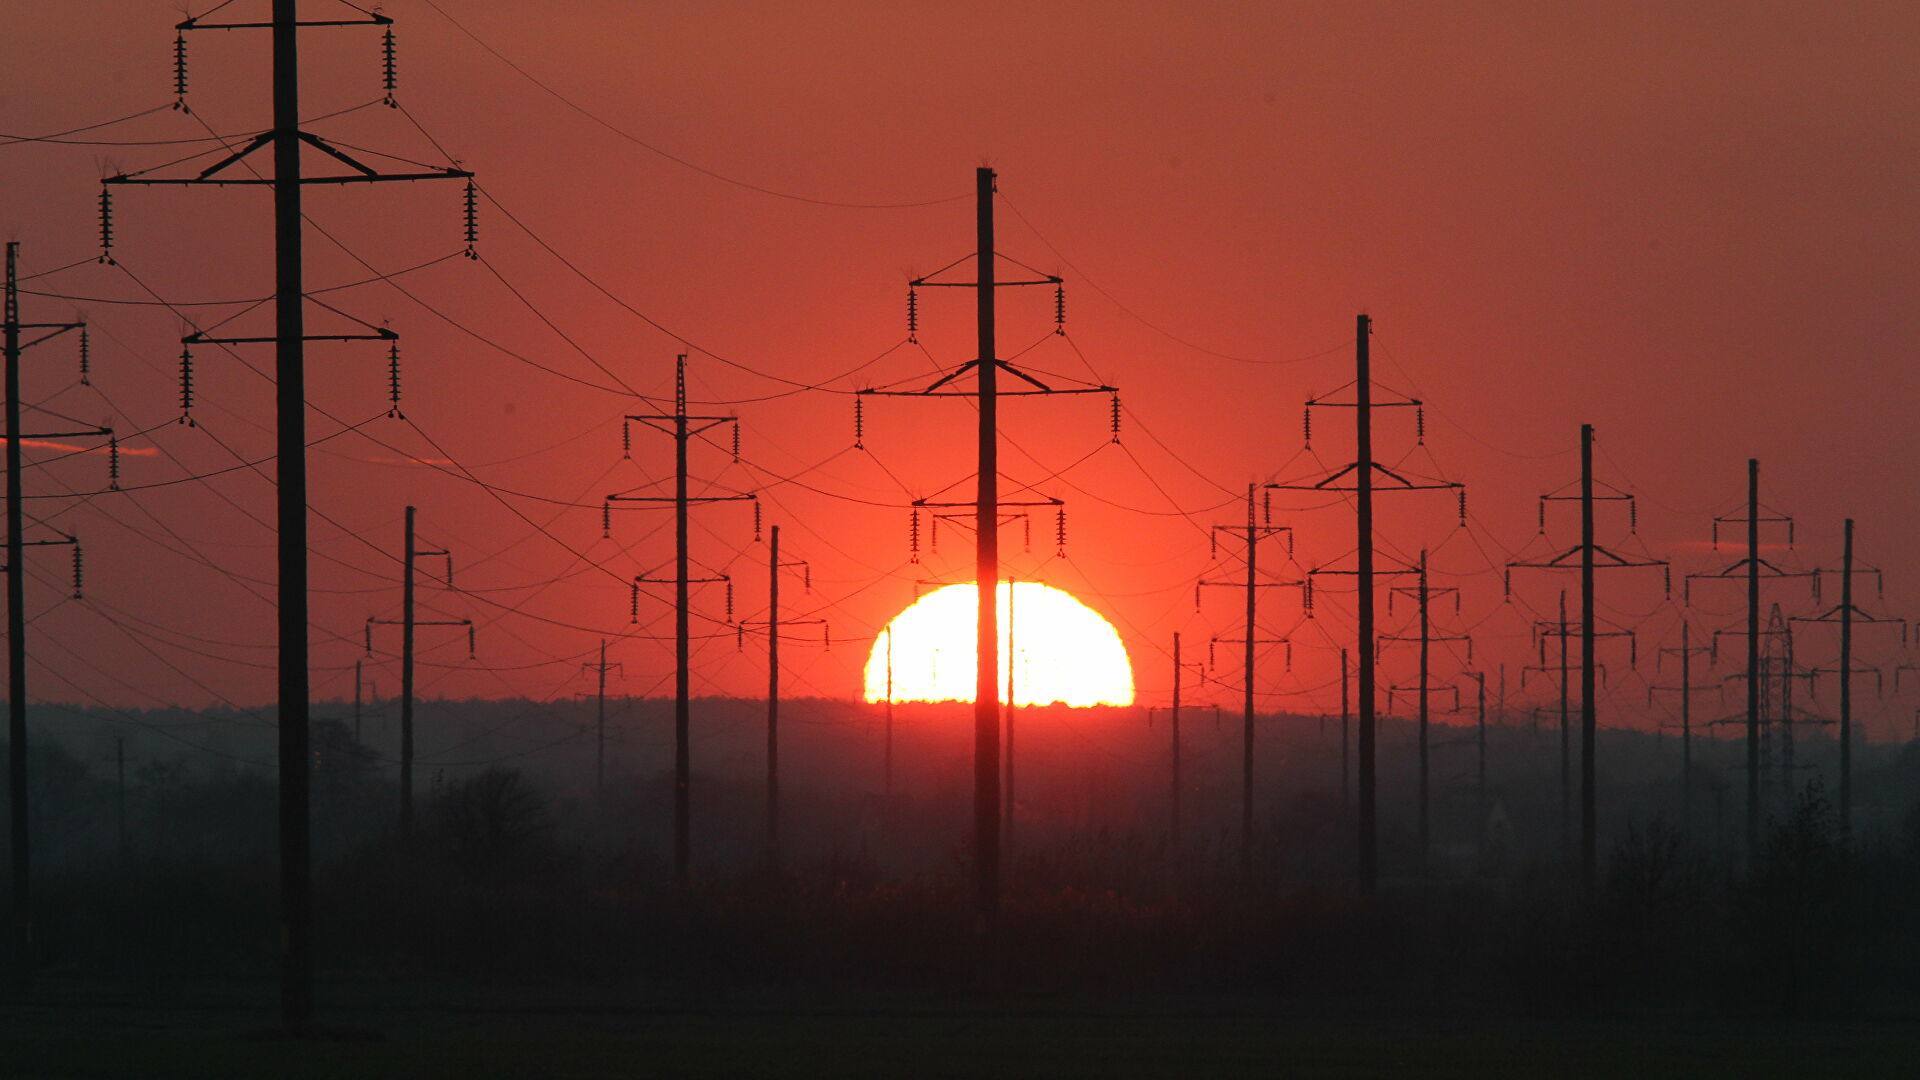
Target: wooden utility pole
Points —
{"points": [[409, 622], [289, 339], [682, 427], [19, 832]]}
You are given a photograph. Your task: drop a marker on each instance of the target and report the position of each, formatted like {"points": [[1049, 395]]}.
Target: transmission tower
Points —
{"points": [[1589, 555], [987, 367], [1424, 635], [773, 623], [1755, 568], [1846, 614], [1174, 831], [21, 835], [1563, 629], [1686, 652], [1249, 536], [683, 428], [286, 139], [408, 622], [600, 671], [1361, 476]]}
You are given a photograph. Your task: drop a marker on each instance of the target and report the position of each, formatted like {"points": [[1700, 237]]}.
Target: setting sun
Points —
{"points": [[1063, 650]]}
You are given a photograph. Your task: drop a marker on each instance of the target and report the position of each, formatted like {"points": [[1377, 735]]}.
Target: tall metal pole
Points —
{"points": [[1588, 808], [1173, 793], [1846, 682], [1426, 836], [773, 697], [1363, 498], [406, 687], [682, 685], [1246, 727], [1753, 657], [356, 700], [17, 646], [986, 696], [290, 394]]}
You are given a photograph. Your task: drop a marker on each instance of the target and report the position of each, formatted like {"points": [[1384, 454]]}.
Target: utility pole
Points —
{"points": [[600, 716], [1425, 637], [1563, 631], [1361, 476], [356, 700], [1250, 536], [1588, 552], [683, 428], [1480, 745], [1174, 831], [289, 338], [1686, 653], [773, 624], [21, 835], [1846, 613], [1752, 568], [408, 623], [987, 366]]}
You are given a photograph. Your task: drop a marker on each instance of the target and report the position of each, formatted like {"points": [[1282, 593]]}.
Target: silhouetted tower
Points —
{"points": [[1250, 536], [1686, 653], [408, 622], [1755, 568], [1363, 471], [1346, 718], [1846, 614], [289, 338], [21, 836], [1563, 670], [1480, 744], [1422, 593], [1174, 832], [987, 366], [1589, 554], [774, 623], [683, 427], [600, 671]]}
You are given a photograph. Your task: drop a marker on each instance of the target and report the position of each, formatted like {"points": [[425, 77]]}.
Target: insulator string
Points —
{"points": [[86, 358], [106, 225], [186, 387], [859, 422], [113, 463], [393, 382], [913, 316], [180, 72], [1060, 309], [470, 215], [388, 72]]}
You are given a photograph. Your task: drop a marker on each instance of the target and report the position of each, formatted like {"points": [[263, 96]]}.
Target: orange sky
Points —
{"points": [[1689, 229]]}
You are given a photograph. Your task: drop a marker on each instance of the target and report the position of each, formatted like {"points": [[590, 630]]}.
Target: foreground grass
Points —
{"points": [[808, 1035]]}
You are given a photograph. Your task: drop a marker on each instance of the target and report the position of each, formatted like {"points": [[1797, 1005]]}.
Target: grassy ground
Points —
{"points": [[811, 1035]]}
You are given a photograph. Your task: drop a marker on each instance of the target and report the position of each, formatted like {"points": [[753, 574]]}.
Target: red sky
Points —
{"points": [[1691, 228]]}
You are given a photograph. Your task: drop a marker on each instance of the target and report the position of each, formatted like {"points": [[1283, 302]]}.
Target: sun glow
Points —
{"points": [[1063, 650]]}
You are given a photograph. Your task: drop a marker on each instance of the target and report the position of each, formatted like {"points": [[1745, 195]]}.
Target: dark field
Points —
{"points": [[554, 1034]]}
